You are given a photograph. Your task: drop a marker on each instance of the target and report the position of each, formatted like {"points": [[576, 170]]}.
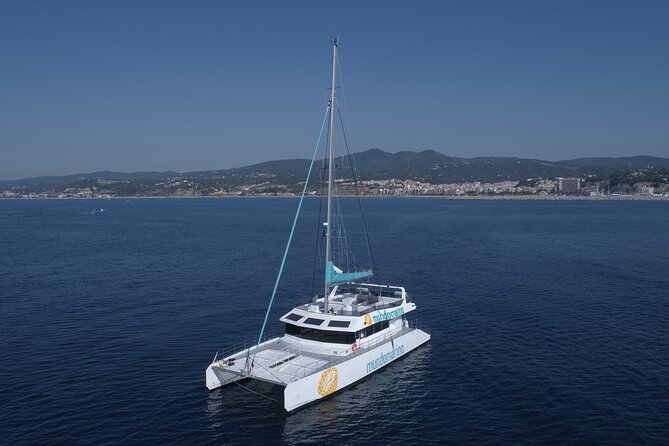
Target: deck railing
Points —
{"points": [[330, 361], [242, 349], [244, 346], [357, 312]]}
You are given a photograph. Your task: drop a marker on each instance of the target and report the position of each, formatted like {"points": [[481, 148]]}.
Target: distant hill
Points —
{"points": [[275, 169], [55, 181], [433, 166], [428, 165], [623, 163]]}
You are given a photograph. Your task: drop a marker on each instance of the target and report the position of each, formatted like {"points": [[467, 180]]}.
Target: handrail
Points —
{"points": [[318, 364], [338, 359], [375, 307], [242, 346]]}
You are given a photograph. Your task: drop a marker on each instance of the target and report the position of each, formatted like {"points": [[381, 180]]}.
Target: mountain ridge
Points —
{"points": [[427, 165]]}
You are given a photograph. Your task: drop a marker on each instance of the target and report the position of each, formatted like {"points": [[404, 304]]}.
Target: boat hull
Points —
{"points": [[216, 377], [337, 377]]}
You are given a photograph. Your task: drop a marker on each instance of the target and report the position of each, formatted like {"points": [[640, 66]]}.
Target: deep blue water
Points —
{"points": [[549, 322]]}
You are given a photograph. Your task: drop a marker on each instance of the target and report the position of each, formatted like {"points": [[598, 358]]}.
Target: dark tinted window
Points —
{"points": [[294, 317], [313, 321], [375, 328], [313, 334], [341, 324]]}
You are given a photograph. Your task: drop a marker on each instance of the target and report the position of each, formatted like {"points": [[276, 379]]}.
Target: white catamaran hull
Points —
{"points": [[331, 378], [321, 384]]}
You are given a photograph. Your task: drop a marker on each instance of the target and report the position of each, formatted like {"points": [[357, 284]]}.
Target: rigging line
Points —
{"points": [[344, 105], [290, 237], [338, 225], [343, 245], [257, 393], [351, 161], [342, 237], [362, 213], [320, 247], [319, 226], [346, 251], [355, 178]]}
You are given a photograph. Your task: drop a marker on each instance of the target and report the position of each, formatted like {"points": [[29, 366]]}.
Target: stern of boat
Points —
{"points": [[352, 368]]}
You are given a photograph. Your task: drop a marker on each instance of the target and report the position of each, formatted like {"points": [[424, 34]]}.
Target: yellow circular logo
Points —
{"points": [[328, 382]]}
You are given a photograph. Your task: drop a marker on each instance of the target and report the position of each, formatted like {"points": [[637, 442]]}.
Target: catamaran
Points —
{"points": [[337, 338]]}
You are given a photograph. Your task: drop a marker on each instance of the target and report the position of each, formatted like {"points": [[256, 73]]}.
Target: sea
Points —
{"points": [[549, 321]]}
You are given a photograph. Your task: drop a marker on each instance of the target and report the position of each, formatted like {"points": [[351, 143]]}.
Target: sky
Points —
{"points": [[161, 85]]}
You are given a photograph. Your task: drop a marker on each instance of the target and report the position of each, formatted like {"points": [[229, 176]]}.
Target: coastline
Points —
{"points": [[443, 197]]}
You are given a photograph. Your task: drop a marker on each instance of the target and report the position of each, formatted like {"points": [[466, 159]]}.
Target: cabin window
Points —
{"points": [[340, 324], [368, 331], [313, 334], [314, 321], [294, 317]]}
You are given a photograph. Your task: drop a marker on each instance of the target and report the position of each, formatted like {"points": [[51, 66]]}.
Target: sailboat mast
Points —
{"points": [[328, 228]]}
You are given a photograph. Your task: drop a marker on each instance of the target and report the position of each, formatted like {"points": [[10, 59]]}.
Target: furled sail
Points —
{"points": [[335, 275]]}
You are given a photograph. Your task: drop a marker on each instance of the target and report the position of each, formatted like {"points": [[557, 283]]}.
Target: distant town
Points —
{"points": [[376, 173], [189, 187]]}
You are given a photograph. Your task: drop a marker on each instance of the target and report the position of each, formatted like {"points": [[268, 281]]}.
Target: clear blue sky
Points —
{"points": [[158, 85]]}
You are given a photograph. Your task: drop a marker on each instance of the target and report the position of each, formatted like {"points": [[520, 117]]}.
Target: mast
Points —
{"points": [[328, 227]]}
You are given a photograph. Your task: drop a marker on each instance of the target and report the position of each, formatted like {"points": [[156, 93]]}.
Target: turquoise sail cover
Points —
{"points": [[335, 275]]}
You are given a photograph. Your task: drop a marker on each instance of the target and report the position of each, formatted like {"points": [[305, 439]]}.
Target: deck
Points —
{"points": [[281, 362], [360, 300]]}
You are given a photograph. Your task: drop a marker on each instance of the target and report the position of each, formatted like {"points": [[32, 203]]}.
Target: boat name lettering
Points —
{"points": [[388, 315], [385, 358]]}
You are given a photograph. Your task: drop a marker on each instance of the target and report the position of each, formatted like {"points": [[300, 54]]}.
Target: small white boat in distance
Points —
{"points": [[336, 338]]}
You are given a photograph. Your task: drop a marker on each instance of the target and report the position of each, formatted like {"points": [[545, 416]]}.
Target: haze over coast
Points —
{"points": [[377, 173]]}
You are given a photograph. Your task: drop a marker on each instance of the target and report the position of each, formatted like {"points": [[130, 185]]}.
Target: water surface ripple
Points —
{"points": [[549, 322]]}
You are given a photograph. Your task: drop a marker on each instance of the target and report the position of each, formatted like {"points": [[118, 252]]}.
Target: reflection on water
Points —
{"points": [[328, 411], [239, 414]]}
